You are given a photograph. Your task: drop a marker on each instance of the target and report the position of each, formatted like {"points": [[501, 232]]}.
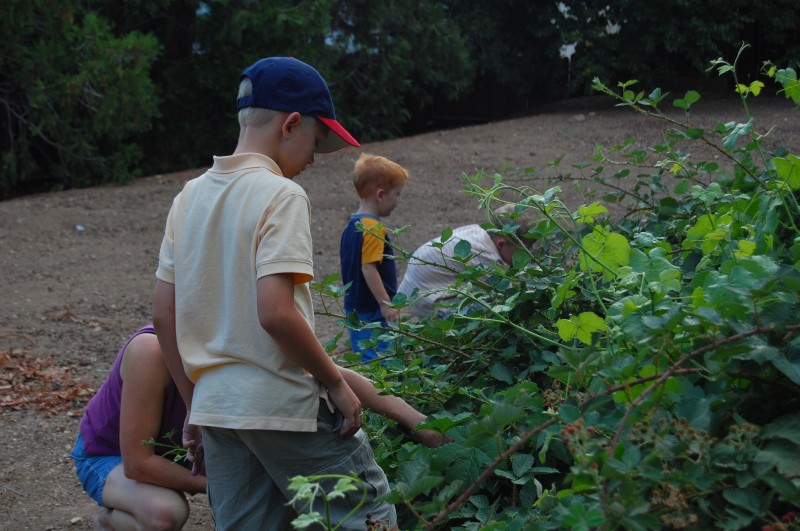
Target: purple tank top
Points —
{"points": [[100, 422]]}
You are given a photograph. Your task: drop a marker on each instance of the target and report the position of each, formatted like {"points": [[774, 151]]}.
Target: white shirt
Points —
{"points": [[423, 276]]}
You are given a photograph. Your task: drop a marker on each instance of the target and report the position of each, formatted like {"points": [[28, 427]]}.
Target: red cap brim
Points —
{"points": [[340, 139]]}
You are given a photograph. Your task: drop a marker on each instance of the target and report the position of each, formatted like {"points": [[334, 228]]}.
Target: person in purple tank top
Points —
{"points": [[137, 487]]}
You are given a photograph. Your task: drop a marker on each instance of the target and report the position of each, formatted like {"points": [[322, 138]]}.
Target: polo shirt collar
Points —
{"points": [[244, 161]]}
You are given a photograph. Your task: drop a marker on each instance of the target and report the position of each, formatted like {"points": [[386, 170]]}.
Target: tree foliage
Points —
{"points": [[617, 39], [166, 70], [74, 96], [392, 58], [634, 372]]}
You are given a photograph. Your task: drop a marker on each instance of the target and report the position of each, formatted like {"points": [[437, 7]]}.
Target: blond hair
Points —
{"points": [[256, 116], [372, 172]]}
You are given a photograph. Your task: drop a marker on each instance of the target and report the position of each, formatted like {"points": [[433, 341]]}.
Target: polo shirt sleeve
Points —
{"points": [[166, 256], [372, 245], [284, 239]]}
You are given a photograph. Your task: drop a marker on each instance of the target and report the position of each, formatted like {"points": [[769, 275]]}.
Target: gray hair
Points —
{"points": [[525, 220]]}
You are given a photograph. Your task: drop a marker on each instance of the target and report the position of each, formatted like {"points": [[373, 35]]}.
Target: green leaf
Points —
{"points": [[503, 414], [520, 258], [566, 329], [416, 477], [788, 170], [707, 232], [521, 463], [769, 354], [782, 454], [501, 371], [745, 248], [306, 520], [579, 519], [569, 413], [655, 266], [687, 101], [461, 462], [581, 326], [738, 130], [791, 86], [709, 194], [444, 423], [755, 87], [588, 213], [787, 427], [751, 500], [695, 133], [611, 249], [656, 96], [462, 249]]}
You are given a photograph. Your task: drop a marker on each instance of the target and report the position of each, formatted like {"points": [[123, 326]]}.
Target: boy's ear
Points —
{"points": [[379, 193], [291, 121]]}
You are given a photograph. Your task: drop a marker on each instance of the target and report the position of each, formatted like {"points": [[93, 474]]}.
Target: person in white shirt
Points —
{"points": [[432, 269]]}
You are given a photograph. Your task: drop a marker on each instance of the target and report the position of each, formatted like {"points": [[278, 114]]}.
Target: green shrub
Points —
{"points": [[635, 372]]}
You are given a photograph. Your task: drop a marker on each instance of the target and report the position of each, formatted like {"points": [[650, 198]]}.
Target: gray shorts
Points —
{"points": [[249, 470]]}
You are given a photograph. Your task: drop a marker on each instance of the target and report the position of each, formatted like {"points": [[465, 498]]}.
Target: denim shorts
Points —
{"points": [[357, 336], [93, 470]]}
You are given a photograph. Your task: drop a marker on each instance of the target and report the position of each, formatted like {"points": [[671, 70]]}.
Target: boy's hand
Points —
{"points": [[193, 442], [348, 403]]}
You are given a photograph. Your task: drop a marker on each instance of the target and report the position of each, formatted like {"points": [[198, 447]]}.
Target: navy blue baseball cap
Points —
{"points": [[290, 85]]}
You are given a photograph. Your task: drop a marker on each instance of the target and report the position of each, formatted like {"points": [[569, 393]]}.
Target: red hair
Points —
{"points": [[373, 172]]}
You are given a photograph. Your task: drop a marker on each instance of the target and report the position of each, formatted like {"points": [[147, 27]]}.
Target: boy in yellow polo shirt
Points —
{"points": [[233, 315]]}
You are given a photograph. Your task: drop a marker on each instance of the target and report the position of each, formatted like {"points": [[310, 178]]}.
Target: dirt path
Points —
{"points": [[77, 270]]}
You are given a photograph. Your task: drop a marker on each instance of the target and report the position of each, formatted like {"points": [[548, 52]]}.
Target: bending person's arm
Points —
{"points": [[145, 378]]}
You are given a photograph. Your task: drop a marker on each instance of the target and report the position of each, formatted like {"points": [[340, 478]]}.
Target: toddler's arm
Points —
{"points": [[375, 283]]}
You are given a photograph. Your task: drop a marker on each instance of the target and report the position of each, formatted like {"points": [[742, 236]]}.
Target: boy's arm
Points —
{"points": [[392, 407], [281, 319], [164, 323], [375, 283]]}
